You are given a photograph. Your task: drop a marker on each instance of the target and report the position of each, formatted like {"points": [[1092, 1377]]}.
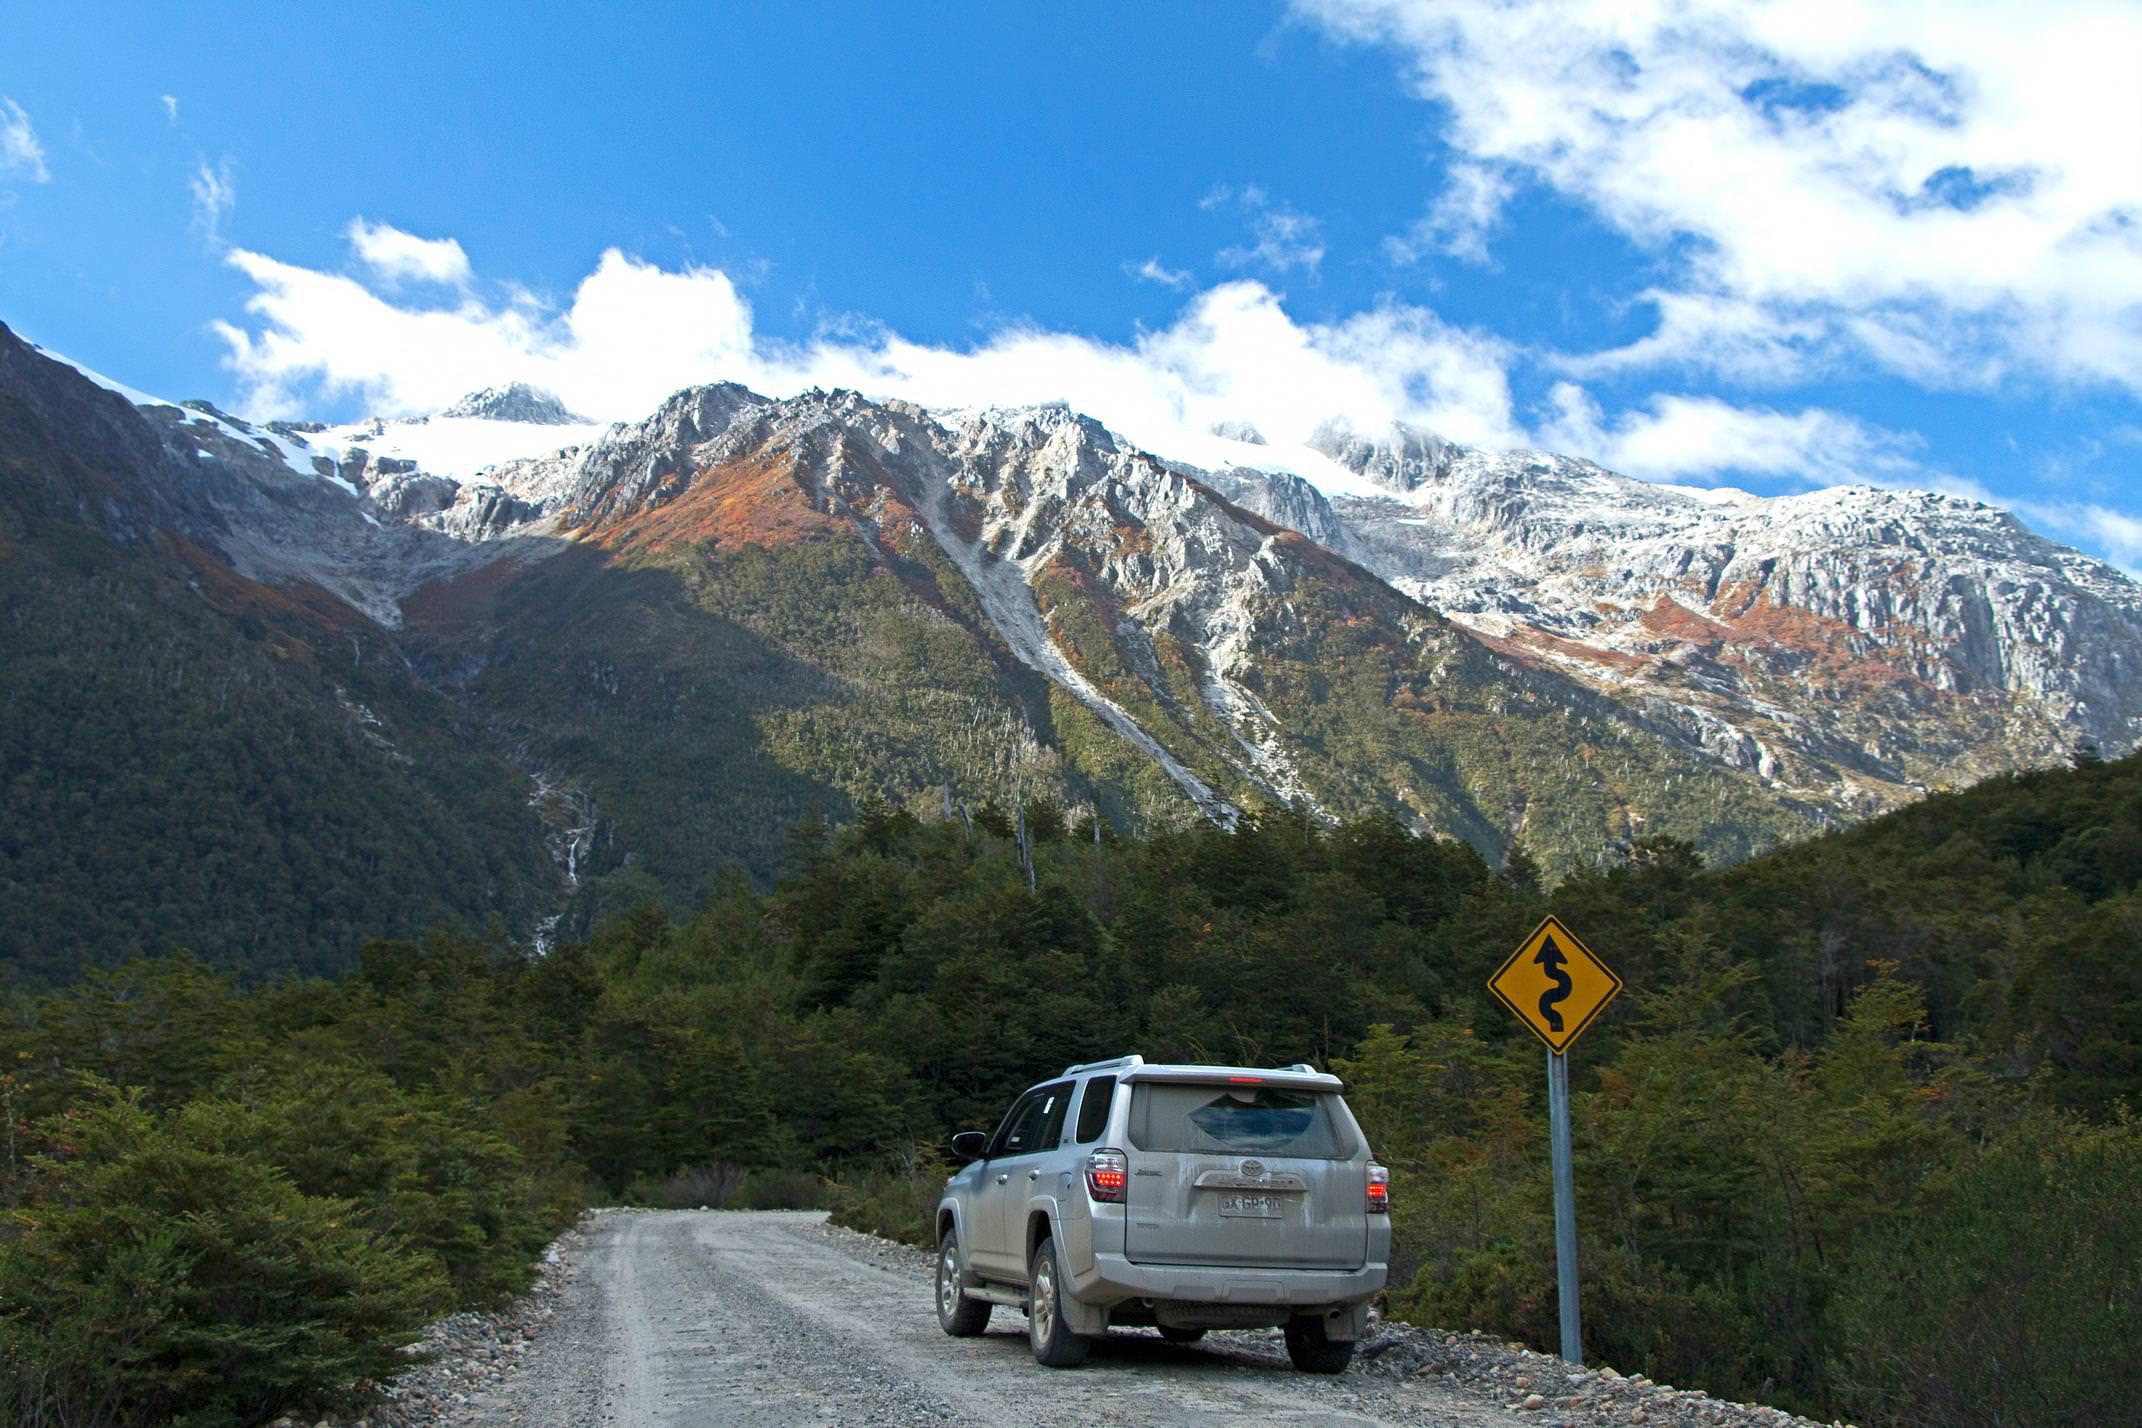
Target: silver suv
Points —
{"points": [[1184, 1197]]}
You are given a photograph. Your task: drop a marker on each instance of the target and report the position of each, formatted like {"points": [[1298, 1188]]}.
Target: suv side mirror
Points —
{"points": [[969, 1145]]}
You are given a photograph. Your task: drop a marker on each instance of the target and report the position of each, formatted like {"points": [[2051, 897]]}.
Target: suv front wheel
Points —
{"points": [[960, 1316], [1055, 1346]]}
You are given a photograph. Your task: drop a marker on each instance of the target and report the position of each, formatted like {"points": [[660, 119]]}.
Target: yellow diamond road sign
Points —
{"points": [[1555, 984]]}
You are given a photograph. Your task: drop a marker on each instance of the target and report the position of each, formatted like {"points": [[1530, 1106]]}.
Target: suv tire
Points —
{"points": [[958, 1315], [1312, 1352], [1055, 1346]]}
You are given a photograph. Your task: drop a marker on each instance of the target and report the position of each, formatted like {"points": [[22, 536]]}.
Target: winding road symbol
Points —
{"points": [[1555, 985], [1551, 959]]}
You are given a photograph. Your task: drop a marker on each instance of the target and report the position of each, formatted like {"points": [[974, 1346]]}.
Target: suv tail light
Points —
{"points": [[1107, 1173], [1379, 1190]]}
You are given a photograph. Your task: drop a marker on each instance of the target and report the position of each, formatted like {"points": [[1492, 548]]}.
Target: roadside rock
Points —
{"points": [[465, 1352]]}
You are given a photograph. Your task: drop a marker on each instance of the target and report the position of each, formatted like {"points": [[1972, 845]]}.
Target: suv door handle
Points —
{"points": [[1002, 1178]]}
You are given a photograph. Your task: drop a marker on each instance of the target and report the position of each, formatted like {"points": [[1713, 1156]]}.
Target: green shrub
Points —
{"points": [[2013, 1299], [717, 1186], [897, 1200], [426, 1166], [161, 1274], [779, 1189]]}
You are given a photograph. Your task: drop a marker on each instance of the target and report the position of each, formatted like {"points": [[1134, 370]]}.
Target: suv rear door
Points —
{"points": [[1245, 1172], [1035, 1124]]}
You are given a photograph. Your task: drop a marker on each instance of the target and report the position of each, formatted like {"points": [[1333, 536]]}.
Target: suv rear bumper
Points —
{"points": [[1115, 1278]]}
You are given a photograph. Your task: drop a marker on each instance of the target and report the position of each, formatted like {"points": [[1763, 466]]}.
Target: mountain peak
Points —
{"points": [[1400, 457], [517, 401]]}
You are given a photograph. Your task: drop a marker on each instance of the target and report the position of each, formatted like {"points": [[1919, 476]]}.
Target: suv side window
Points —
{"points": [[1093, 1109], [1036, 1123]]}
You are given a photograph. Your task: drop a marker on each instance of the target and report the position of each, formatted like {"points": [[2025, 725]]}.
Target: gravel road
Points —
{"points": [[773, 1319], [644, 1317]]}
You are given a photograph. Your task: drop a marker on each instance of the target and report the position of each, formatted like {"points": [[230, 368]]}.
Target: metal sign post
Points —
{"points": [[1557, 987], [1565, 1205]]}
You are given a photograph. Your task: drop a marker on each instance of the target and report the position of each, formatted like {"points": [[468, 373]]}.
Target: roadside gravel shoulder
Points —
{"points": [[1480, 1367]]}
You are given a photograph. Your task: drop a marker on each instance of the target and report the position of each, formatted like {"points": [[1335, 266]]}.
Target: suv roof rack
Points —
{"points": [[1300, 1066], [1110, 1065]]}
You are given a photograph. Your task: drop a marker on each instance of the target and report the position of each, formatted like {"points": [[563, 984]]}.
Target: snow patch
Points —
{"points": [[459, 447]]}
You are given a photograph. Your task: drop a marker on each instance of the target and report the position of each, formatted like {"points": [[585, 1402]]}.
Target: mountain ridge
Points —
{"points": [[683, 633]]}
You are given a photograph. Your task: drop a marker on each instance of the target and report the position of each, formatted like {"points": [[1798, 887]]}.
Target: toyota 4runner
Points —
{"points": [[1183, 1197]]}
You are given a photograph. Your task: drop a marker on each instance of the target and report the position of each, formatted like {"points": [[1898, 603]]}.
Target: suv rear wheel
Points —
{"points": [[960, 1316], [1055, 1346], [1312, 1351]]}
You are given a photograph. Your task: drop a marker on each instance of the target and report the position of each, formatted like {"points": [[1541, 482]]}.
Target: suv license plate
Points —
{"points": [[1250, 1207]]}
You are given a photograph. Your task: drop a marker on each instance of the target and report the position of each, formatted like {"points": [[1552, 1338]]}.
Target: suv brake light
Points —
{"points": [[1379, 1190], [1107, 1173]]}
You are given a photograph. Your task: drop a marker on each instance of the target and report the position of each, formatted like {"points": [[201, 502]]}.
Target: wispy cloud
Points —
{"points": [[397, 256], [1706, 439], [1152, 270], [170, 102], [1458, 222], [215, 193], [1284, 238], [21, 154], [1945, 192]]}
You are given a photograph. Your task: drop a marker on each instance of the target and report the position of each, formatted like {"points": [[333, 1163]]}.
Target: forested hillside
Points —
{"points": [[1857, 1139], [189, 758]]}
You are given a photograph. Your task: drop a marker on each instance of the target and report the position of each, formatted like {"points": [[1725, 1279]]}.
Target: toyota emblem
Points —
{"points": [[1253, 1169]]}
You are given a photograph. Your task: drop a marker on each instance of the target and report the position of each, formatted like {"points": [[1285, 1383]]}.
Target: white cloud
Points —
{"points": [[633, 333], [21, 155], [397, 256], [215, 193], [1285, 237], [1152, 270], [170, 102], [1744, 340], [1459, 221], [1684, 438], [1948, 190]]}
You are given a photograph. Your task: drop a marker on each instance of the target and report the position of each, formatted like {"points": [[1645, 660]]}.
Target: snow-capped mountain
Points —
{"points": [[1868, 641], [515, 402], [1487, 644]]}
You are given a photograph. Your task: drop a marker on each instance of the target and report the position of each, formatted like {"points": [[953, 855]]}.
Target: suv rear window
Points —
{"points": [[1237, 1120]]}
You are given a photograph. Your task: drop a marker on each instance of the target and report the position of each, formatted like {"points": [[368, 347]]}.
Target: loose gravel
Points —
{"points": [[712, 1317]]}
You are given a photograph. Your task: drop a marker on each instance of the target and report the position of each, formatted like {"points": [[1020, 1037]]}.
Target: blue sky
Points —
{"points": [[1772, 246]]}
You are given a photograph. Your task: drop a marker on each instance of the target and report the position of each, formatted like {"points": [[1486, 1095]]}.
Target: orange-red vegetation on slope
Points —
{"points": [[230, 593], [1675, 621], [755, 500], [1574, 649], [1834, 646]]}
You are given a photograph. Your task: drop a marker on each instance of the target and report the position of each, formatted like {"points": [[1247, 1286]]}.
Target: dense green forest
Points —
{"points": [[1857, 1139]]}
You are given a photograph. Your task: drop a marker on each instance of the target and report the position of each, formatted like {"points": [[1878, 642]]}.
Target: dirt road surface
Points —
{"points": [[776, 1320]]}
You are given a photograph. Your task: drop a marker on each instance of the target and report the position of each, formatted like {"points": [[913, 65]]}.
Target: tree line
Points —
{"points": [[1857, 1139]]}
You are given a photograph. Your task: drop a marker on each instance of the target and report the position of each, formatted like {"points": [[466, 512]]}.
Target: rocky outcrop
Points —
{"points": [[515, 402]]}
